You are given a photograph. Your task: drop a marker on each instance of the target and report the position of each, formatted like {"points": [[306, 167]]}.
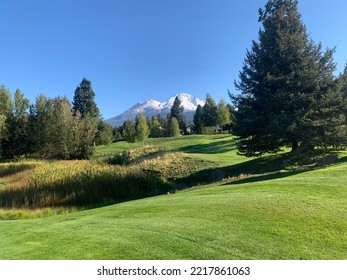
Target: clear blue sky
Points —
{"points": [[134, 50]]}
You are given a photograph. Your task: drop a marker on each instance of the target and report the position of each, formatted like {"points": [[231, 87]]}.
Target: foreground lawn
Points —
{"points": [[290, 216]]}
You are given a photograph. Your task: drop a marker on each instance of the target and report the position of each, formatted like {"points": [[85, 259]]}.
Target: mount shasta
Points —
{"points": [[153, 107]]}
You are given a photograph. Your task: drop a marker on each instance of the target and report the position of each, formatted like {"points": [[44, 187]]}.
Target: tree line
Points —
{"points": [[51, 127], [55, 128], [205, 120]]}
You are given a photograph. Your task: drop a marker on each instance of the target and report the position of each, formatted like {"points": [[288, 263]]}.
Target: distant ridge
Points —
{"points": [[153, 107]]}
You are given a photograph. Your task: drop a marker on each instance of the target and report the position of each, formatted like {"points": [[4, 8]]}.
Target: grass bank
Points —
{"points": [[296, 217], [268, 208]]}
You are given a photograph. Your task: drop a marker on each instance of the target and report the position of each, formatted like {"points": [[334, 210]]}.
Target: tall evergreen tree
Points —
{"points": [[286, 86], [343, 90], [197, 120], [84, 103], [177, 112], [83, 100], [104, 135], [209, 112], [129, 132], [155, 131]]}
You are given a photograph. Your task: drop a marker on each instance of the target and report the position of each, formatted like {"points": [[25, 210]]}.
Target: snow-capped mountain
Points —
{"points": [[153, 107]]}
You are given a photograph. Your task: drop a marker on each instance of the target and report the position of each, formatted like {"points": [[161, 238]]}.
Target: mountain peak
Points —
{"points": [[152, 107]]}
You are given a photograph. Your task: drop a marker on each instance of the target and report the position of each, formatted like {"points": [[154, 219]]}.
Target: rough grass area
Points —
{"points": [[302, 216], [71, 183], [14, 167], [171, 165], [275, 207], [28, 213]]}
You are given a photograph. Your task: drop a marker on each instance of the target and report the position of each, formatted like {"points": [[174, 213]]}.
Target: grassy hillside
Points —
{"points": [[291, 214], [210, 147]]}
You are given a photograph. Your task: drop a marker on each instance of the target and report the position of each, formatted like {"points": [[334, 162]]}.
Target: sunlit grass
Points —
{"points": [[267, 208], [295, 217]]}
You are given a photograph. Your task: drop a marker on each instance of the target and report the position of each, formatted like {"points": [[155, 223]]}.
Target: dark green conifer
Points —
{"points": [[177, 112], [83, 100], [287, 87]]}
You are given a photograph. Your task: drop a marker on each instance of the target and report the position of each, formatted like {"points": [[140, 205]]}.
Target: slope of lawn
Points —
{"points": [[209, 147], [299, 214]]}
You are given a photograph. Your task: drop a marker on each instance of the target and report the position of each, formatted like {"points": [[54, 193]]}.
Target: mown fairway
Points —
{"points": [[299, 214]]}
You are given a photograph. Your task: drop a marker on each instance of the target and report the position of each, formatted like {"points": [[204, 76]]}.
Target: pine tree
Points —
{"points": [[104, 135], [155, 131], [197, 120], [177, 112], [129, 132], [343, 90], [83, 100], [209, 112], [286, 86]]}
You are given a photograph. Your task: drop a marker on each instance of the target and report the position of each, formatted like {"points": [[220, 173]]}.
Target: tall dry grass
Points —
{"points": [[67, 183], [14, 167]]}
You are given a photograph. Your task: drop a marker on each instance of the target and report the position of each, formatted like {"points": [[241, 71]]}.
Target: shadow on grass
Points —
{"points": [[343, 160], [283, 174], [267, 177], [13, 168], [216, 147], [254, 170]]}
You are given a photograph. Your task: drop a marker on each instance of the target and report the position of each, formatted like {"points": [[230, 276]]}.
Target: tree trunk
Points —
{"points": [[295, 145]]}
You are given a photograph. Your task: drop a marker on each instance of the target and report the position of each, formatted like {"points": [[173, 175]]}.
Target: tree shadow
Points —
{"points": [[284, 173], [254, 170], [266, 177], [216, 147]]}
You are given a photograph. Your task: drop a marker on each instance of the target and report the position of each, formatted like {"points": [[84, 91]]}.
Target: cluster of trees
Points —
{"points": [[51, 127], [212, 114], [175, 124], [289, 93], [156, 127]]}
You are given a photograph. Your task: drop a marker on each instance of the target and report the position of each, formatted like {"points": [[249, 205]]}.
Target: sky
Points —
{"points": [[136, 50]]}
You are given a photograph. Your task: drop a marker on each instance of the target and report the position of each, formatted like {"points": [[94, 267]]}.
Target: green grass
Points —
{"points": [[209, 147], [296, 214]]}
